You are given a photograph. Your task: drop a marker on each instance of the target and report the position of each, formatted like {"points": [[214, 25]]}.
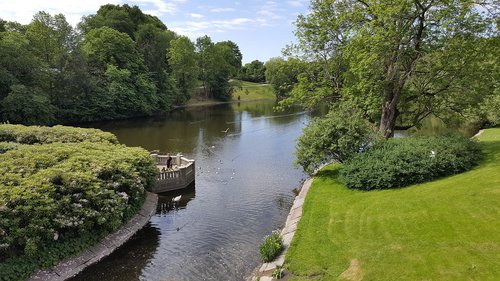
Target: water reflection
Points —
{"points": [[132, 257], [433, 126], [167, 202]]}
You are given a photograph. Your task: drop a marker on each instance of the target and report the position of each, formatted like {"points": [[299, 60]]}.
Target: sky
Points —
{"points": [[261, 28]]}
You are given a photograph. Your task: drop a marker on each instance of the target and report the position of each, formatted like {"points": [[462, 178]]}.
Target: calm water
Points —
{"points": [[245, 183]]}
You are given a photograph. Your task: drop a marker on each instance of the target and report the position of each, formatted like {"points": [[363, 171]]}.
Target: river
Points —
{"points": [[245, 185]]}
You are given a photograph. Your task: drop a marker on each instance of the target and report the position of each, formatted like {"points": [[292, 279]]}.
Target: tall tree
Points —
{"points": [[232, 55], [153, 44], [182, 59], [379, 53], [120, 70], [122, 18], [254, 71], [283, 74], [204, 49]]}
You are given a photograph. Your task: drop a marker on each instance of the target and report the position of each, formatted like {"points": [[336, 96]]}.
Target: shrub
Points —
{"points": [[63, 190], [271, 247], [339, 135], [400, 162], [6, 146], [45, 135], [58, 198]]}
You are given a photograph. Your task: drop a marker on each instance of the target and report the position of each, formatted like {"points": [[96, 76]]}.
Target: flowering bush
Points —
{"points": [[54, 193], [44, 135]]}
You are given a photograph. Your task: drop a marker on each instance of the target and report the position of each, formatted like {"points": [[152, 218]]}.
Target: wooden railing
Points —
{"points": [[180, 175]]}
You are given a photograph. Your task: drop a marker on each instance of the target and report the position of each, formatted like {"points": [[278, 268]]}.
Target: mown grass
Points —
{"points": [[251, 91], [448, 229]]}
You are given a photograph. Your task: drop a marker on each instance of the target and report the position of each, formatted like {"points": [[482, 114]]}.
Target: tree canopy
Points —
{"points": [[118, 63], [399, 61]]}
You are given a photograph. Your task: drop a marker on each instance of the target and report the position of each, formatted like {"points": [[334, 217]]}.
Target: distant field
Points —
{"points": [[251, 91], [448, 229]]}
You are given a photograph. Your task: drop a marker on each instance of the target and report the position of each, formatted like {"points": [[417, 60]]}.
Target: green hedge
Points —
{"points": [[58, 198], [44, 135], [400, 162]]}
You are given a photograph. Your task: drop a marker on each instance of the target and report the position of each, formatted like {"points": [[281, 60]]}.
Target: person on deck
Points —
{"points": [[169, 162]]}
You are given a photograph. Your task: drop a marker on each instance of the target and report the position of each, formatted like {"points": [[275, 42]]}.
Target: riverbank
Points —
{"points": [[444, 230], [74, 265], [243, 92], [265, 271]]}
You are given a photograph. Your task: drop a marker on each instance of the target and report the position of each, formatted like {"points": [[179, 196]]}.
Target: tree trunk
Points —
{"points": [[389, 115]]}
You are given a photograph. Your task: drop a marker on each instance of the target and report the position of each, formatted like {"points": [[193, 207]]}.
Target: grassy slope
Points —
{"points": [[447, 229], [252, 91]]}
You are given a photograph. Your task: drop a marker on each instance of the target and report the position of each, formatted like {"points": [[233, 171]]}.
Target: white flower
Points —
{"points": [[433, 154]]}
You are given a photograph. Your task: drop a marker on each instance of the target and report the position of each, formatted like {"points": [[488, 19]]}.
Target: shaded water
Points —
{"points": [[244, 188]]}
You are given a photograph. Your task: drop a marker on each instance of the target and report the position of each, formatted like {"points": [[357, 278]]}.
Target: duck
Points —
{"points": [[177, 198]]}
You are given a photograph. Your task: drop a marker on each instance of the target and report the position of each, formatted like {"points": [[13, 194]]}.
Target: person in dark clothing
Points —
{"points": [[169, 162]]}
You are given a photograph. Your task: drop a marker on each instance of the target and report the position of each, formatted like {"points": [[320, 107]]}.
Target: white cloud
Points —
{"points": [[161, 7], [195, 29], [22, 11], [196, 16], [296, 3], [222, 10]]}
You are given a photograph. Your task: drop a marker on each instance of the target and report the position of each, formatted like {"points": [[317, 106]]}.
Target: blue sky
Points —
{"points": [[261, 28]]}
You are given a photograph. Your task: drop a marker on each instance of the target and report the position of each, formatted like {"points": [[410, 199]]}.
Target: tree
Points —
{"points": [[214, 69], [283, 75], [124, 18], [254, 72], [342, 133], [396, 59], [182, 59], [27, 106], [2, 25], [52, 40], [232, 55], [119, 68], [153, 44], [18, 64]]}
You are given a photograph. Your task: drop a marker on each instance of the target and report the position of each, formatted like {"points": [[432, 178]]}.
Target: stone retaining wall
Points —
{"points": [[74, 265], [266, 270]]}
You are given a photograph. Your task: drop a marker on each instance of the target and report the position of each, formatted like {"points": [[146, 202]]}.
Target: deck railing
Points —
{"points": [[179, 176]]}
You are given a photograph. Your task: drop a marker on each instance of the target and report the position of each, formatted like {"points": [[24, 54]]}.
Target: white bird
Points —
{"points": [[177, 199], [225, 131]]}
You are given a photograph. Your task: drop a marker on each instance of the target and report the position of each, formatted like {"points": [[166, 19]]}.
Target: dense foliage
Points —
{"points": [[283, 75], [336, 137], [400, 162], [116, 64], [45, 135], [401, 60], [66, 189], [254, 71], [271, 247]]}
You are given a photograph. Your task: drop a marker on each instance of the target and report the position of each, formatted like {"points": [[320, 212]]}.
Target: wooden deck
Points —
{"points": [[181, 175]]}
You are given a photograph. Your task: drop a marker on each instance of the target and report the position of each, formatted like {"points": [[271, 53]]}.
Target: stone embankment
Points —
{"points": [[266, 270], [74, 265]]}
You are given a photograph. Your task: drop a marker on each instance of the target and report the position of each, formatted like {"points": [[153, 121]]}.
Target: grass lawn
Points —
{"points": [[448, 229], [252, 91]]}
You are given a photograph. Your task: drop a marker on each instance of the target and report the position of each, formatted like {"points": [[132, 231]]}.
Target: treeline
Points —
{"points": [[118, 63]]}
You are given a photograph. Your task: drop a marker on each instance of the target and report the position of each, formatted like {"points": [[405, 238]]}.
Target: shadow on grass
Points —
{"points": [[328, 172]]}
